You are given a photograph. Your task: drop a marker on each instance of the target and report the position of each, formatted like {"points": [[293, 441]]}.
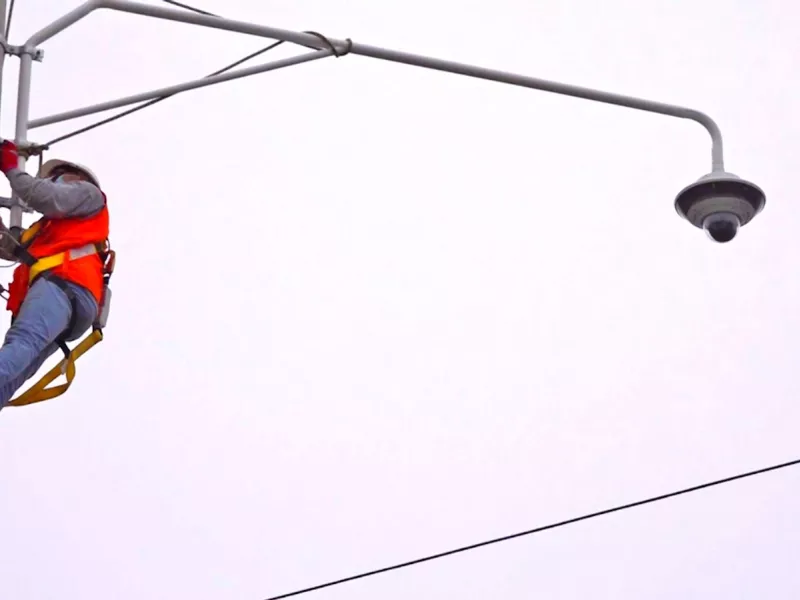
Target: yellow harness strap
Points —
{"points": [[49, 262], [40, 392], [28, 235], [46, 263]]}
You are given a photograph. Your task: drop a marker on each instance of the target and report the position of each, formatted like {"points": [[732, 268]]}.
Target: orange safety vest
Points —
{"points": [[71, 248]]}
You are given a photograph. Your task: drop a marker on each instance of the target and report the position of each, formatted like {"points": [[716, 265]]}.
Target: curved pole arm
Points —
{"points": [[717, 161], [346, 46]]}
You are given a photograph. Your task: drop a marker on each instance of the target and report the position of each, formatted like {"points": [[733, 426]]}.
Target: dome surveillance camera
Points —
{"points": [[720, 203], [722, 227]]}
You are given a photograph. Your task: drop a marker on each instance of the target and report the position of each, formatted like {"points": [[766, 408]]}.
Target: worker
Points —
{"points": [[62, 302]]}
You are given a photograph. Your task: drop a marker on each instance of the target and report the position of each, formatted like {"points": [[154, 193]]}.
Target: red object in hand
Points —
{"points": [[9, 158]]}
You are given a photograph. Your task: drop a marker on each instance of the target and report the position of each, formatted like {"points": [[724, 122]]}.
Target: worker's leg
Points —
{"points": [[44, 315]]}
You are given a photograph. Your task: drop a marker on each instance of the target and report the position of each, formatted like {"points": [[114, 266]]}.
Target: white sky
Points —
{"points": [[365, 312]]}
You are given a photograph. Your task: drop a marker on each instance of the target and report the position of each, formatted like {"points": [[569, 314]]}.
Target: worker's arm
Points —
{"points": [[56, 200]]}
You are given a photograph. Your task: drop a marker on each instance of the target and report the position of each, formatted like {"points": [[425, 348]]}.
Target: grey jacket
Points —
{"points": [[56, 200]]}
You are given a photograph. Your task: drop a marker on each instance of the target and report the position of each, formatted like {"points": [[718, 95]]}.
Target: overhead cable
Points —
{"points": [[144, 105], [191, 8], [586, 517], [8, 19]]}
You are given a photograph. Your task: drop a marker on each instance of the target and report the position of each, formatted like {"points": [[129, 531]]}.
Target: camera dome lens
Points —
{"points": [[721, 227]]}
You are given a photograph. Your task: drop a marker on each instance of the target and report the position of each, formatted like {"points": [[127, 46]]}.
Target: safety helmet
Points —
{"points": [[52, 164]]}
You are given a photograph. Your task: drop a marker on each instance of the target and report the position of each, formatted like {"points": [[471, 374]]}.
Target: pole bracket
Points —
{"points": [[36, 54], [6, 202], [29, 149]]}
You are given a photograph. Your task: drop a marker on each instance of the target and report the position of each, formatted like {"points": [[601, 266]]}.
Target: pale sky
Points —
{"points": [[365, 312]]}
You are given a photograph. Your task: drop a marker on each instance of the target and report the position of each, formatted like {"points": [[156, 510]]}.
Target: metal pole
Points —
{"points": [[3, 15], [182, 16], [21, 135], [181, 87], [344, 46], [4, 41]]}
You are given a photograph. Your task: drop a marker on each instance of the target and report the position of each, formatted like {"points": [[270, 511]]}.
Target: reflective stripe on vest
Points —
{"points": [[49, 262]]}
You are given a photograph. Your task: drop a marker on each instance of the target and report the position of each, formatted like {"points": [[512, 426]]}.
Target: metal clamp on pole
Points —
{"points": [[6, 202], [28, 149], [36, 54]]}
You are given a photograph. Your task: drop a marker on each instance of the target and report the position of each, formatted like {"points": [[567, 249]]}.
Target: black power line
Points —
{"points": [[539, 529], [191, 8], [144, 105], [8, 19], [139, 107]]}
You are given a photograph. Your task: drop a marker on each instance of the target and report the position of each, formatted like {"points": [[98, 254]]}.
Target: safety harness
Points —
{"points": [[42, 267]]}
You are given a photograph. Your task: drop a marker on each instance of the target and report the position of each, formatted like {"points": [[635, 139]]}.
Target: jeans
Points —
{"points": [[30, 341]]}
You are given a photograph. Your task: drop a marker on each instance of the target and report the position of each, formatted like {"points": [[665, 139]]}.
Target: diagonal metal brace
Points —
{"points": [[181, 87]]}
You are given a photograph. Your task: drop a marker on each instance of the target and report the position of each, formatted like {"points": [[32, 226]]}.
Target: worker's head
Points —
{"points": [[66, 171]]}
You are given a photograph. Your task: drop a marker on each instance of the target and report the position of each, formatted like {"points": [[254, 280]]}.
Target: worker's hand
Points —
{"points": [[9, 158]]}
